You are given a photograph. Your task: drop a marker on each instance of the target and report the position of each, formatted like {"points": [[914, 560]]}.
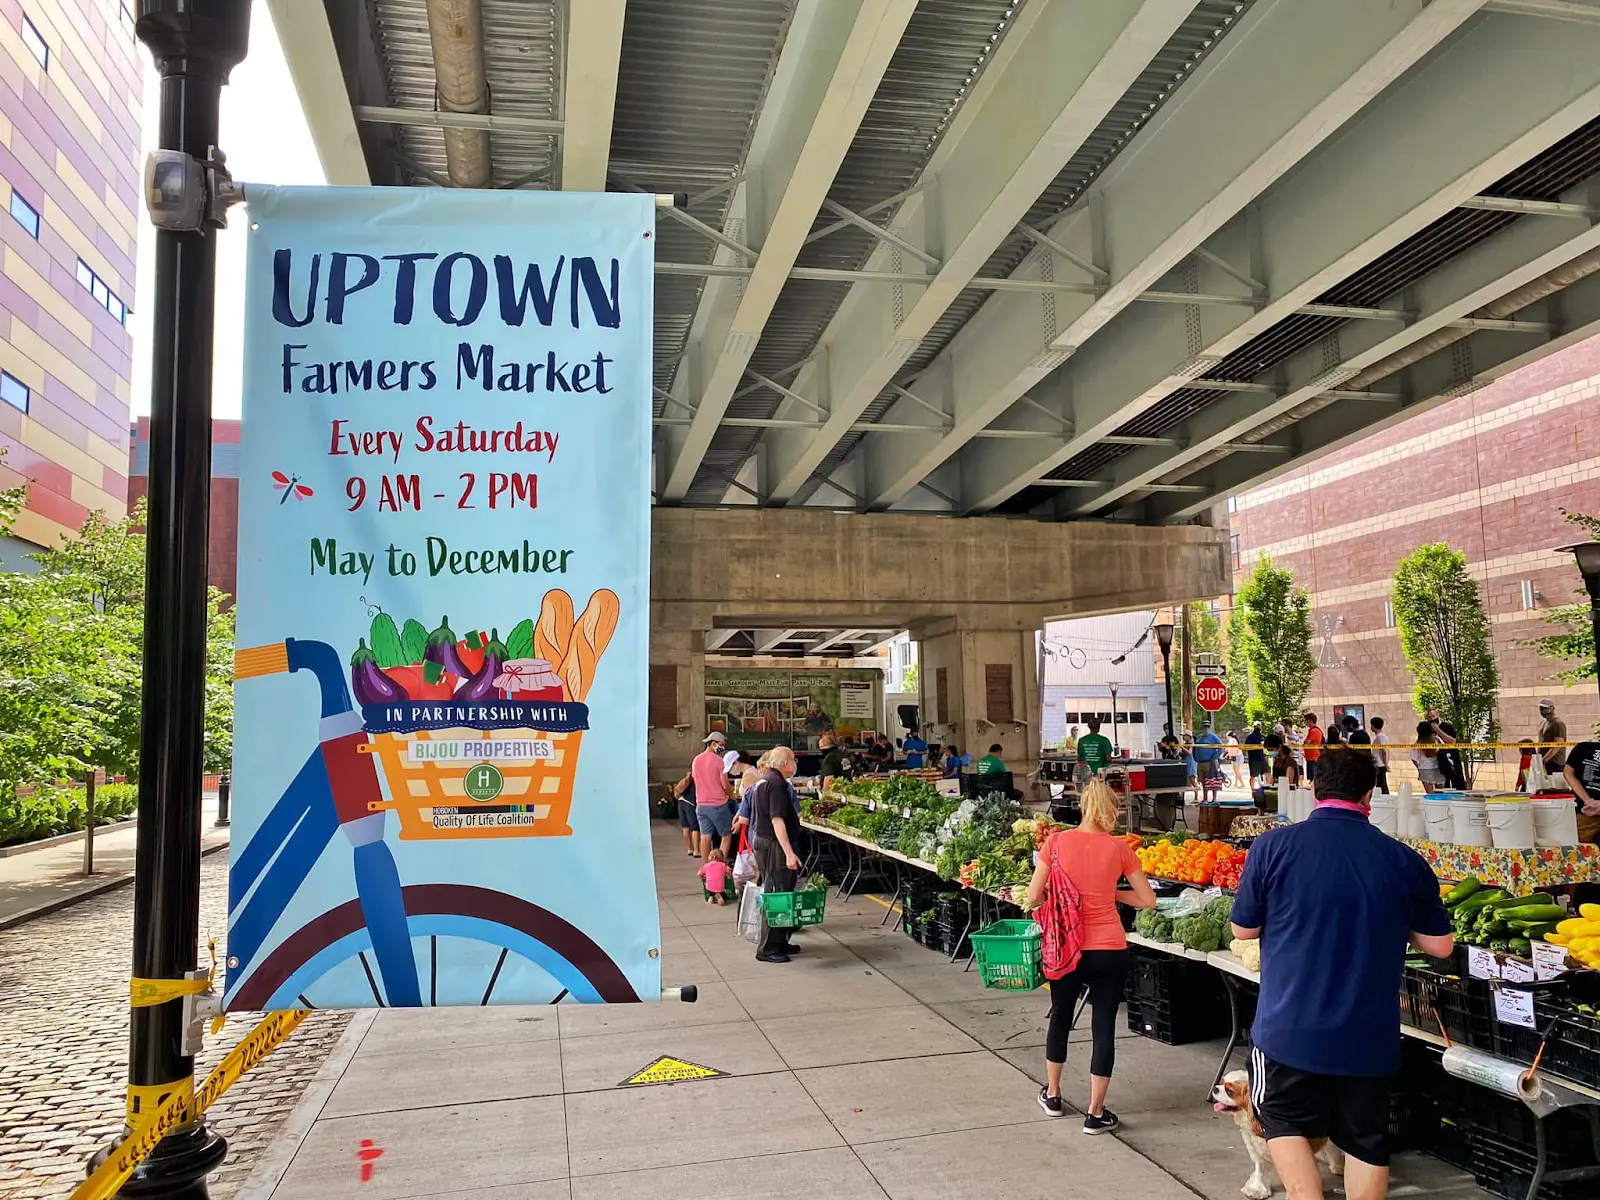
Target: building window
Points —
{"points": [[1388, 614], [26, 214], [36, 45], [125, 15], [1233, 504], [1233, 547], [103, 295], [13, 391], [1528, 595]]}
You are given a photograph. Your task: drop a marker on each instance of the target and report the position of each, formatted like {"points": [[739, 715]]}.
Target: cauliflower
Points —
{"points": [[1247, 952]]}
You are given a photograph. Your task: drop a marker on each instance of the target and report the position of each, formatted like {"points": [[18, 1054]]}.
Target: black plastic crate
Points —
{"points": [[1573, 1051], [1175, 1001], [1461, 1003], [1505, 1168]]}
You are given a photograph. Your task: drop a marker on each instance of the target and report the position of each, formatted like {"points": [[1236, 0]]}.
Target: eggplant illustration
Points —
{"points": [[367, 680], [441, 649], [482, 686]]}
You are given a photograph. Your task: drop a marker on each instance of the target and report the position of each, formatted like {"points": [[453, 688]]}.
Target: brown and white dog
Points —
{"points": [[1232, 1095]]}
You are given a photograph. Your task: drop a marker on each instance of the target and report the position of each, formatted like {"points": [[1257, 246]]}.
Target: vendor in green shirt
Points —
{"points": [[991, 763], [1094, 748]]}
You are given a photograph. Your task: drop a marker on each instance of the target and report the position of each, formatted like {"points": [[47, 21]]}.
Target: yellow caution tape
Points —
{"points": [[147, 1098], [1391, 746], [180, 1106], [144, 993]]}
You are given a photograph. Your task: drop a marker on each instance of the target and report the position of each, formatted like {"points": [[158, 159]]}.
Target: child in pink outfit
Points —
{"points": [[714, 878]]}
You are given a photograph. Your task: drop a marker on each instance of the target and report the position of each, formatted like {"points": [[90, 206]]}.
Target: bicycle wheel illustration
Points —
{"points": [[465, 942]]}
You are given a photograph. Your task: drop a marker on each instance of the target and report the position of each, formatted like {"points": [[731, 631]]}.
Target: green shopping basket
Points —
{"points": [[1009, 956], [786, 910]]}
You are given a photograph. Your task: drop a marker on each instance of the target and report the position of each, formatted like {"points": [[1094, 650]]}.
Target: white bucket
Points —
{"points": [[1555, 821], [1439, 821], [1471, 822], [1511, 824], [1413, 825], [1386, 815]]}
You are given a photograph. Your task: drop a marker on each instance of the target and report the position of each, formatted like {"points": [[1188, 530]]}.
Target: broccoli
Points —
{"points": [[1201, 931], [1154, 925]]}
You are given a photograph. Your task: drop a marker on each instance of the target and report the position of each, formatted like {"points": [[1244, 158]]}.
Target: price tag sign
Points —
{"points": [[1549, 961], [872, 806], [905, 813], [1481, 963], [1514, 970], [1514, 1008], [1212, 893]]}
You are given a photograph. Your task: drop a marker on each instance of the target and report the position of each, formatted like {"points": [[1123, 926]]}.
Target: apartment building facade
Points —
{"points": [[1489, 473], [69, 175]]}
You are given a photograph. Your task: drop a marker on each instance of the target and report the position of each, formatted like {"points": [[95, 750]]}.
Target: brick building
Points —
{"points": [[1488, 473], [223, 546], [69, 173]]}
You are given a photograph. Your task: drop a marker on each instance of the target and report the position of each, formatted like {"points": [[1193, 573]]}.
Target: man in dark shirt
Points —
{"points": [[835, 762], [1582, 772], [775, 824], [1255, 757], [1335, 903]]}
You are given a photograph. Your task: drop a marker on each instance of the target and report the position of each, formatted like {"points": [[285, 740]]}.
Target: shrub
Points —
{"points": [[52, 811]]}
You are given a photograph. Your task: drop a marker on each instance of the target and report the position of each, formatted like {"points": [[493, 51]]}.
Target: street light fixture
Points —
{"points": [[1164, 640], [1116, 742]]}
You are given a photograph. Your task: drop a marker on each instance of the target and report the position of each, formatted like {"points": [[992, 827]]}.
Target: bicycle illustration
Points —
{"points": [[410, 945]]}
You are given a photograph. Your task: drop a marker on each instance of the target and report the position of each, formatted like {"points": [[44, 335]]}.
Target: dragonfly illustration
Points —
{"points": [[290, 485]]}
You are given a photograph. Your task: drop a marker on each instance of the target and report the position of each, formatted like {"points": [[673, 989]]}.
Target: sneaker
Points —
{"points": [[1106, 1122], [772, 958], [1051, 1104]]}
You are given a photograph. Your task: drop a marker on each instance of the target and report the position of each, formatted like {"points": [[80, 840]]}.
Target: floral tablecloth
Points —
{"points": [[1517, 871]]}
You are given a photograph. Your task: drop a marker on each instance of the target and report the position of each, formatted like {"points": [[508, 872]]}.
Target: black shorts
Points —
{"points": [[687, 816], [1352, 1111]]}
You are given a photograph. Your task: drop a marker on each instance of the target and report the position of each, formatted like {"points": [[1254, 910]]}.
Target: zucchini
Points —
{"points": [[1495, 929], [1532, 912], [1505, 901], [1473, 903], [1534, 932], [1521, 947], [1462, 890]]}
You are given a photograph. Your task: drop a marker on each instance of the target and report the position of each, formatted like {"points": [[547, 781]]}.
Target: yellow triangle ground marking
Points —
{"points": [[667, 1069]]}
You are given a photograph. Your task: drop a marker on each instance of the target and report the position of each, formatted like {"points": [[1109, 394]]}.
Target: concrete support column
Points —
{"points": [[672, 744], [981, 687]]}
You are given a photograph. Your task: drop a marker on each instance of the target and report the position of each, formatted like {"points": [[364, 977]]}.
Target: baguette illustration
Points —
{"points": [[590, 637], [554, 629]]}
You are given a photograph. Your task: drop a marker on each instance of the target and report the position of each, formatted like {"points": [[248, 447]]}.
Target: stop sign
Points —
{"points": [[1211, 694]]}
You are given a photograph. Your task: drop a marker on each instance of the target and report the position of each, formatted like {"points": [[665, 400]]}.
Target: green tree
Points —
{"points": [[1573, 641], [1277, 645], [1236, 713], [71, 655], [908, 681], [1208, 637], [1444, 634]]}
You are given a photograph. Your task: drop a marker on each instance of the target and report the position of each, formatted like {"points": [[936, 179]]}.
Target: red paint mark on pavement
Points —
{"points": [[369, 1155]]}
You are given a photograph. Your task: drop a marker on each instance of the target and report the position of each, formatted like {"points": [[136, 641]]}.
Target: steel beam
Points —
{"points": [[1056, 75], [313, 62], [433, 118], [589, 92], [833, 59], [770, 639], [828, 643], [1436, 379], [1448, 130], [716, 639], [1198, 163], [1470, 281]]}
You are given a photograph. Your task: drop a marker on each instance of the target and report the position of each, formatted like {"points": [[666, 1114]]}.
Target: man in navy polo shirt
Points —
{"points": [[1335, 903]]}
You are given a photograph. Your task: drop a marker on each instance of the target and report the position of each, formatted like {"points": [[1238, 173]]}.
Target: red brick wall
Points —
{"points": [[223, 549], [1488, 473]]}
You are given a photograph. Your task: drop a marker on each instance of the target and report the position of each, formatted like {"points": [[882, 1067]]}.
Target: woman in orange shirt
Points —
{"points": [[1095, 861]]}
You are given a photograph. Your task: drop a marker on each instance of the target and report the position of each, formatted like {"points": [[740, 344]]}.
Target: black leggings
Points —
{"points": [[1102, 972]]}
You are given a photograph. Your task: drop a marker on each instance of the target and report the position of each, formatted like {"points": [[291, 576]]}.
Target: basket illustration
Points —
{"points": [[431, 798], [455, 726]]}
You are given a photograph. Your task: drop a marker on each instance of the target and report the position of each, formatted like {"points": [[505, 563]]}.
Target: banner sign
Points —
{"points": [[759, 709], [443, 592]]}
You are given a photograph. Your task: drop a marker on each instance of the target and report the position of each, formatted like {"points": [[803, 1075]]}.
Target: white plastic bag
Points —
{"points": [[1538, 779], [750, 913], [744, 867]]}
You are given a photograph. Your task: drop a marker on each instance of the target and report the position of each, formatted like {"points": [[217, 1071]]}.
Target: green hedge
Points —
{"points": [[49, 812]]}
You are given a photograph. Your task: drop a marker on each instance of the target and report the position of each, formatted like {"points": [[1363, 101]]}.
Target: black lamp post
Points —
{"points": [[195, 44], [1164, 640], [1116, 740]]}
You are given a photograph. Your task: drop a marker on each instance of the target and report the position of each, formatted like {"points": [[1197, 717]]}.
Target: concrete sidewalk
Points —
{"points": [[36, 882], [867, 1067]]}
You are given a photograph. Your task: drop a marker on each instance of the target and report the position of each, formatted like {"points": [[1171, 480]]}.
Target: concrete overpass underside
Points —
{"points": [[1053, 260]]}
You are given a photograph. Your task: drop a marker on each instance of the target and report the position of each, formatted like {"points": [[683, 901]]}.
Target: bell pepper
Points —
{"points": [[418, 688]]}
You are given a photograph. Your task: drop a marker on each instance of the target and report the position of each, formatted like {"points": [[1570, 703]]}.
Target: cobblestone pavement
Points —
{"points": [[64, 1046]]}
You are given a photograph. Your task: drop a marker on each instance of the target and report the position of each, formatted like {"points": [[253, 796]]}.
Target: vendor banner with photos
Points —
{"points": [[443, 589]]}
